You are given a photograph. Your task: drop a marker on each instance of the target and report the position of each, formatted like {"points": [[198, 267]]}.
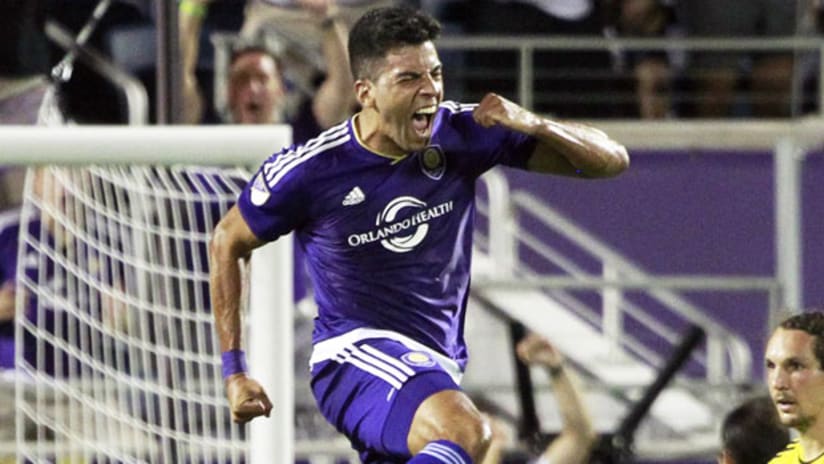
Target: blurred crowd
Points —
{"points": [[616, 81]]}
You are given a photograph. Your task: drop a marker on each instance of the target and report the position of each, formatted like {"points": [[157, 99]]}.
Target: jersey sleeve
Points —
{"points": [[511, 148], [273, 203], [490, 146]]}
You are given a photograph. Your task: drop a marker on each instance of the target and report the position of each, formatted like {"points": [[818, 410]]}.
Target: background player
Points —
{"points": [[794, 359], [751, 433]]}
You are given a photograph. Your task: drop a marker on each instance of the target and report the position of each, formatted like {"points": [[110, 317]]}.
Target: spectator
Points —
{"points": [[651, 69], [8, 262], [258, 94], [577, 437], [566, 83], [314, 31], [751, 433], [10, 228], [716, 77], [23, 85]]}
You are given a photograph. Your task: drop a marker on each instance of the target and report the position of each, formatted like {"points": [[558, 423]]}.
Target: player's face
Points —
{"points": [[406, 95], [255, 89], [795, 378]]}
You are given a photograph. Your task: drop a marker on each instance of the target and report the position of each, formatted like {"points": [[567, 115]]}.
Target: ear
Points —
{"points": [[365, 93]]}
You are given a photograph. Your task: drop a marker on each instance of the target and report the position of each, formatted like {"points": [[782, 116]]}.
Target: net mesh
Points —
{"points": [[116, 354]]}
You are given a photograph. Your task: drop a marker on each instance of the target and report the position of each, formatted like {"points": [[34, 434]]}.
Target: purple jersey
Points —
{"points": [[9, 228], [387, 240]]}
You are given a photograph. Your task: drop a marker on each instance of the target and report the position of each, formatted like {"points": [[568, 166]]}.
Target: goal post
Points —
{"points": [[117, 358]]}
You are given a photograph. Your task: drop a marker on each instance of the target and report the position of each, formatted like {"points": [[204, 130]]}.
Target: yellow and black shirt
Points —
{"points": [[792, 455]]}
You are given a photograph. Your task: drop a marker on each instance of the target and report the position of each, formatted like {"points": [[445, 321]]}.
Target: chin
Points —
{"points": [[793, 421]]}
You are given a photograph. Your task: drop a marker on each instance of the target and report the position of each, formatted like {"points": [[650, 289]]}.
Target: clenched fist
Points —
{"points": [[247, 399], [495, 109], [535, 349]]}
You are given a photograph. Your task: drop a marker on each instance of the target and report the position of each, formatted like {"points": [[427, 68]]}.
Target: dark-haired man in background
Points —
{"points": [[795, 376]]}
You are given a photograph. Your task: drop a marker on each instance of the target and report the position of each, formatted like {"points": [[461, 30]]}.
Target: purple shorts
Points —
{"points": [[370, 392]]}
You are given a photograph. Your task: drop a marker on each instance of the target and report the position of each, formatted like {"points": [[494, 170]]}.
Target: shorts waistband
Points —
{"points": [[329, 348]]}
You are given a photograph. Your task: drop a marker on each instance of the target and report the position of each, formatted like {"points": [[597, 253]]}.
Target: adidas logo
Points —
{"points": [[354, 197]]}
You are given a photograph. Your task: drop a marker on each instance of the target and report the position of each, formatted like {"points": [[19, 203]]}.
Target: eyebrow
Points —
{"points": [[791, 359], [416, 74]]}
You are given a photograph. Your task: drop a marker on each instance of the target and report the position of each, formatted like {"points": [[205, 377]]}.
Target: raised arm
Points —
{"points": [[334, 99], [574, 444], [232, 242], [563, 148], [190, 21]]}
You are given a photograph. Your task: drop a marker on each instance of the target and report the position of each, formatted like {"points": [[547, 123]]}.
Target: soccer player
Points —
{"points": [[383, 205], [795, 376], [751, 433]]}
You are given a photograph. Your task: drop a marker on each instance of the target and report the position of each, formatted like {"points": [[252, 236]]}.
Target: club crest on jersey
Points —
{"points": [[418, 359], [433, 162], [259, 193]]}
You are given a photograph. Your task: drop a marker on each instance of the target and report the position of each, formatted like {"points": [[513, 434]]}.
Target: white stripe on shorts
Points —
{"points": [[394, 361], [443, 453], [378, 364], [349, 358], [333, 348]]}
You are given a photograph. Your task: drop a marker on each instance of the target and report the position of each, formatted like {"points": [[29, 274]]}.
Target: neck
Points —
{"points": [[812, 443], [367, 124]]}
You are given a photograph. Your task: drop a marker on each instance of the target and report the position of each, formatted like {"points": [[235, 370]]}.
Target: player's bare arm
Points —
{"points": [[190, 21], [334, 99], [232, 242], [563, 148]]}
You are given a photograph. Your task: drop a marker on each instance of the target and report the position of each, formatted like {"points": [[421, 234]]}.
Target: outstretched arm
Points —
{"points": [[563, 148], [577, 437], [232, 242]]}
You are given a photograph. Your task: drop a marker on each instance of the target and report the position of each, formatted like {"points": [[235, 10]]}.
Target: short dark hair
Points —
{"points": [[811, 322], [752, 433], [382, 29]]}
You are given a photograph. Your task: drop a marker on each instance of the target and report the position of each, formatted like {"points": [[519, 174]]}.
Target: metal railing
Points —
{"points": [[137, 101], [526, 47], [618, 274]]}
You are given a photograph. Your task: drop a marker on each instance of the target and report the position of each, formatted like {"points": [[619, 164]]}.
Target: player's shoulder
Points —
{"points": [[455, 118], [451, 108], [308, 156], [789, 455]]}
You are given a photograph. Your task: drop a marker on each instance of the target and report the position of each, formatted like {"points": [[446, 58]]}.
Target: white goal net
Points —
{"points": [[116, 356], [119, 357]]}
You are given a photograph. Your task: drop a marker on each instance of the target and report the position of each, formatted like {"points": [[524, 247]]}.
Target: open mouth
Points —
{"points": [[422, 120]]}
